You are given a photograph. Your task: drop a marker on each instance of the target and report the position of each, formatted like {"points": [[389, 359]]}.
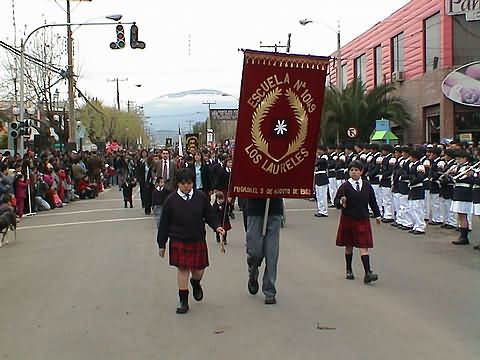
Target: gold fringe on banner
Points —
{"points": [[286, 60]]}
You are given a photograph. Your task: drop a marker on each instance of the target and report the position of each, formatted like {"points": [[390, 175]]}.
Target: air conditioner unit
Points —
{"points": [[397, 76]]}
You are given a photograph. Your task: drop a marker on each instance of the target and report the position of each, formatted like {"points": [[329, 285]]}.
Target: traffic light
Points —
{"points": [[14, 129], [120, 43], [134, 42], [25, 128]]}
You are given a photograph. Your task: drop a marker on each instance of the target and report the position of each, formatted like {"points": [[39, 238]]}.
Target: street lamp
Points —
{"points": [[22, 71], [338, 66]]}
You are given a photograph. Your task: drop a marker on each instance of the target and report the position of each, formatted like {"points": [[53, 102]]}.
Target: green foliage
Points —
{"points": [[107, 124], [4, 141], [354, 106]]}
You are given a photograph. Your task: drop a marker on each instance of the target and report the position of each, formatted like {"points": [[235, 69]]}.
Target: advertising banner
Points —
{"points": [[279, 116], [463, 85]]}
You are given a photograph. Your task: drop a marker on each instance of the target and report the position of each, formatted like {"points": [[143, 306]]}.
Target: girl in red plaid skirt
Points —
{"points": [[183, 224], [353, 197]]}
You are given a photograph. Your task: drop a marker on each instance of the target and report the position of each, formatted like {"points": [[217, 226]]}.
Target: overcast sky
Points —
{"points": [[216, 30]]}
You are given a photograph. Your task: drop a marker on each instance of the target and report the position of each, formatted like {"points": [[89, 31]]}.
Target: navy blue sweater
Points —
{"points": [[357, 201]]}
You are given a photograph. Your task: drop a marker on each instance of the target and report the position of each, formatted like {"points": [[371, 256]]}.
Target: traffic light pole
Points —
{"points": [[72, 133], [22, 70]]}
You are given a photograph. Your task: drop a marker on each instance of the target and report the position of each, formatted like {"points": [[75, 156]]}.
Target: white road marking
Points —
{"points": [[79, 212], [83, 223]]}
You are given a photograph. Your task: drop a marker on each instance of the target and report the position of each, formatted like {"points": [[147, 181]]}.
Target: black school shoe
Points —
{"points": [[370, 277], [252, 286], [197, 290], [183, 308], [349, 276], [270, 300]]}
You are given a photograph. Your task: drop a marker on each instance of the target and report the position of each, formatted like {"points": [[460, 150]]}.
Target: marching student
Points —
{"points": [[127, 190], [184, 215], [332, 178], [416, 194], [404, 218], [340, 165], [446, 190], [354, 231], [436, 212], [386, 172], [373, 172], [462, 195], [321, 182], [159, 195], [221, 212], [476, 197]]}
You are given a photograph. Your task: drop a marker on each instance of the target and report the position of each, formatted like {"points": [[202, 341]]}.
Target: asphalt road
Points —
{"points": [[85, 282]]}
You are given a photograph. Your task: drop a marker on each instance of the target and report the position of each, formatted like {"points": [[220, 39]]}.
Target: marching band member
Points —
{"points": [[340, 165], [354, 197], [462, 196], [396, 160], [446, 191], [321, 182], [404, 218], [476, 197], [435, 172], [416, 195], [424, 160], [332, 178], [373, 172], [386, 171]]}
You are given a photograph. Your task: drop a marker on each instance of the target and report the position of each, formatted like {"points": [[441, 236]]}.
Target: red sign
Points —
{"points": [[281, 104], [352, 132]]}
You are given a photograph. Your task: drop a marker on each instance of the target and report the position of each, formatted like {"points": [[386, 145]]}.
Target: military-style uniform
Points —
{"points": [[340, 169], [395, 188], [404, 216], [436, 213], [446, 195], [476, 192], [332, 176], [321, 185], [427, 211], [386, 172], [416, 196], [373, 176]]}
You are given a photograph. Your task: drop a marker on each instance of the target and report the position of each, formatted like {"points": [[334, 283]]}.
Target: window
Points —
{"points": [[360, 68], [431, 33], [466, 35], [344, 76], [397, 53], [377, 59]]}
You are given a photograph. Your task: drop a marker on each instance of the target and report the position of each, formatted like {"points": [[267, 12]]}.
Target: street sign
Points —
{"points": [[352, 132], [473, 15]]}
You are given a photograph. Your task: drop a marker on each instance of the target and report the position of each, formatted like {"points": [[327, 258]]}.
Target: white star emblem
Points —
{"points": [[281, 127]]}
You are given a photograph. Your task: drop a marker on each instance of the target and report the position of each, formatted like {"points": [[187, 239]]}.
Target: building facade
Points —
{"points": [[416, 48]]}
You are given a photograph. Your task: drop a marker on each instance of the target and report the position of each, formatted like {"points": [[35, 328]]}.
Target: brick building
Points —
{"points": [[416, 48]]}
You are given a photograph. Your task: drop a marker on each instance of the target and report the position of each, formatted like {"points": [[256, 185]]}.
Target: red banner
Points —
{"points": [[279, 116]]}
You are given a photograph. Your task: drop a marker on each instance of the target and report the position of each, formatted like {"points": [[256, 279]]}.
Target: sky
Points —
{"points": [[189, 44]]}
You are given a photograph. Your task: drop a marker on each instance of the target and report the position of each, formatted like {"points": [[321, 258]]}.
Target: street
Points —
{"points": [[86, 282]]}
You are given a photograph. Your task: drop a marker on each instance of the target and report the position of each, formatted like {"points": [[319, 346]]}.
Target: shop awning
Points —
{"points": [[383, 135]]}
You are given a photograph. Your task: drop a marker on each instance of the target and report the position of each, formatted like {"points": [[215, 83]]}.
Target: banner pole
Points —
{"points": [[30, 212], [265, 219]]}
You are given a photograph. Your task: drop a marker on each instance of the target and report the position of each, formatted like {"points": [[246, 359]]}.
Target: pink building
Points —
{"points": [[416, 47]]}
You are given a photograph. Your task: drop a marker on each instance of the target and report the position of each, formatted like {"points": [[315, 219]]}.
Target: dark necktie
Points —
{"points": [[165, 170], [188, 197], [358, 185]]}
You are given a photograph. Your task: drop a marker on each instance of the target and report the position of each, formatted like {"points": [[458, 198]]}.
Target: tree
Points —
{"points": [[354, 106]]}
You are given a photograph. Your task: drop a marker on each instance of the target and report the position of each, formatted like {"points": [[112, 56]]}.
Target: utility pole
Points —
{"points": [[72, 133], [209, 121], [116, 80], [276, 46]]}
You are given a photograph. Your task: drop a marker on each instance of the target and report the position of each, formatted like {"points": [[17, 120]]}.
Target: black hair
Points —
{"points": [[462, 153], [184, 176], [219, 196], [387, 148], [356, 164], [322, 147], [450, 153], [349, 147]]}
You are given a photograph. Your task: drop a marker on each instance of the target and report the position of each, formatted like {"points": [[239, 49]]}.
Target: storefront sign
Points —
{"points": [[463, 85], [458, 7], [223, 114], [465, 137]]}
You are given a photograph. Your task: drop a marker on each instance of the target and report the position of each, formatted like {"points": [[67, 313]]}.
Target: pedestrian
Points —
{"points": [[263, 246], [184, 215], [476, 197], [159, 195], [21, 185], [354, 230], [127, 189], [416, 195], [221, 211]]}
